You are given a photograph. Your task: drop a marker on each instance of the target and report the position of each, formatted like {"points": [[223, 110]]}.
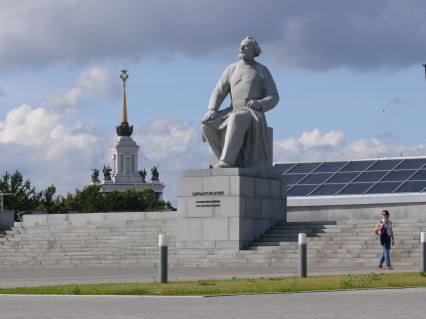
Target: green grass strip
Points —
{"points": [[233, 286]]}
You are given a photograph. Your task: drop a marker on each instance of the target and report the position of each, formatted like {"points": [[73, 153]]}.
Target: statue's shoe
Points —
{"points": [[223, 164]]}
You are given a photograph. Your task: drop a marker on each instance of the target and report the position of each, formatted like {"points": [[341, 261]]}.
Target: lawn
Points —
{"points": [[233, 286]]}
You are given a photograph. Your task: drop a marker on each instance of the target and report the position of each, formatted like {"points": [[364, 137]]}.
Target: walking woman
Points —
{"points": [[384, 230]]}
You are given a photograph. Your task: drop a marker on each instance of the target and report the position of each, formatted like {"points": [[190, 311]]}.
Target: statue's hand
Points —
{"points": [[209, 115], [255, 105]]}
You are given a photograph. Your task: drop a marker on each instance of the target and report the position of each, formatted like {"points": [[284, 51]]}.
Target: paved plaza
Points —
{"points": [[359, 304]]}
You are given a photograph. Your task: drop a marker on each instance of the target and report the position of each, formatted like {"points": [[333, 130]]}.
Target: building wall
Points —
{"points": [[355, 212]]}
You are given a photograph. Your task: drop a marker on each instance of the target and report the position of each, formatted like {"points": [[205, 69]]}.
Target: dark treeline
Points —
{"points": [[89, 200]]}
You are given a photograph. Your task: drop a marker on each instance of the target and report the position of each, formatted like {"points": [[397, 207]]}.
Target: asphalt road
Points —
{"points": [[360, 304]]}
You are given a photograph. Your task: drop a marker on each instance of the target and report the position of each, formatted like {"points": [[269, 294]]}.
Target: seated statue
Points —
{"points": [[238, 135]]}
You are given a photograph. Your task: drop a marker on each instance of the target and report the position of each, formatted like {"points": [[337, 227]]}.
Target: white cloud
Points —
{"points": [[94, 81], [164, 137], [27, 126], [48, 148], [98, 80], [316, 146], [315, 138]]}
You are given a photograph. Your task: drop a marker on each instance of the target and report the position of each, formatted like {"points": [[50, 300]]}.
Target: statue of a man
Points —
{"points": [[155, 175], [238, 134], [142, 173], [95, 175], [107, 173]]}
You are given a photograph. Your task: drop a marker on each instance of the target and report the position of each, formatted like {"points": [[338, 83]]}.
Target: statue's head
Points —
{"points": [[249, 48]]}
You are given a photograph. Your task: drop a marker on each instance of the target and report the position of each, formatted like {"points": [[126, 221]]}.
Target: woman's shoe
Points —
{"points": [[390, 268]]}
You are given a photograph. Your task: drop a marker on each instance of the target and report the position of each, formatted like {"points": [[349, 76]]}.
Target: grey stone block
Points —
{"points": [[197, 173], [276, 189], [35, 219], [215, 229], [262, 187], [200, 244], [189, 229], [53, 219], [278, 209], [227, 244], [261, 226], [253, 207], [84, 219], [160, 215], [216, 183], [123, 216], [194, 207], [241, 186], [267, 208], [188, 185], [247, 229], [234, 228], [230, 206], [181, 205], [271, 173]]}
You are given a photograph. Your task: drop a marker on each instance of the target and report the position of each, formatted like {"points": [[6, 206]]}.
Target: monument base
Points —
{"points": [[227, 207]]}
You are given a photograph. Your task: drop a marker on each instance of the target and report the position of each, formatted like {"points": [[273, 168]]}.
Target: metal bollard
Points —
{"points": [[423, 241], [162, 243], [302, 255]]}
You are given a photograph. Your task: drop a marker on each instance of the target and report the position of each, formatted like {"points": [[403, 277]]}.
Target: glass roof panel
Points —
{"points": [[409, 187], [356, 188], [384, 165], [398, 175], [370, 176], [356, 166], [328, 189], [304, 167], [291, 179], [301, 190], [382, 176], [316, 178], [384, 187], [412, 163], [420, 175], [330, 167], [343, 177], [283, 167]]}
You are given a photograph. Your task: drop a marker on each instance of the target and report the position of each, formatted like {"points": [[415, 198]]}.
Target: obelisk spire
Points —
{"points": [[124, 76], [124, 129]]}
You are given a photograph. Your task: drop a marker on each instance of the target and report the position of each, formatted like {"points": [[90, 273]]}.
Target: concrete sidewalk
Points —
{"points": [[61, 276]]}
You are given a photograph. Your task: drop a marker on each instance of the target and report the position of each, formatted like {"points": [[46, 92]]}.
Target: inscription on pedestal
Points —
{"points": [[207, 203]]}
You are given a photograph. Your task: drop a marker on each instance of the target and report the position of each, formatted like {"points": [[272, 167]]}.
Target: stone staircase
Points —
{"points": [[330, 244], [134, 241], [67, 245]]}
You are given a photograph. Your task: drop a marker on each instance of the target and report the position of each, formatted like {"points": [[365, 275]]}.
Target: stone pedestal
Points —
{"points": [[227, 207]]}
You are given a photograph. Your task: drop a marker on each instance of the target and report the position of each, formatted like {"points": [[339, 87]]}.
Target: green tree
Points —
{"points": [[89, 200], [24, 195], [49, 203]]}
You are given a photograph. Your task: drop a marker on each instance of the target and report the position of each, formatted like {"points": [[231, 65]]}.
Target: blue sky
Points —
{"points": [[349, 76]]}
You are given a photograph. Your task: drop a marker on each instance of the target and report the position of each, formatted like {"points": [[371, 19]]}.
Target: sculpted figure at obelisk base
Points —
{"points": [[238, 135]]}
